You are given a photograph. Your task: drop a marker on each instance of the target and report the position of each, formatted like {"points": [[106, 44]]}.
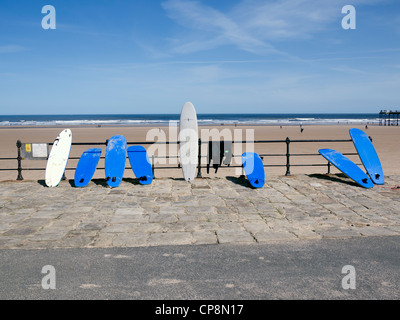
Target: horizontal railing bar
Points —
{"points": [[83, 143], [317, 154], [202, 167], [203, 142], [335, 140], [316, 165]]}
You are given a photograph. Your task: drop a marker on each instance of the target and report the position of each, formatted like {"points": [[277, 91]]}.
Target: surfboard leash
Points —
{"points": [[396, 187]]}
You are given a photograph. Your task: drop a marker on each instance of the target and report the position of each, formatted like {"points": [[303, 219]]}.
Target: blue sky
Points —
{"points": [[225, 56]]}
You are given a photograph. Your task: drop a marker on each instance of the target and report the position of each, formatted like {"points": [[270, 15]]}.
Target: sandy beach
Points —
{"points": [[385, 139]]}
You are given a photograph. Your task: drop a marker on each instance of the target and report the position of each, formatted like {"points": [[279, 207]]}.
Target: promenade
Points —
{"points": [[207, 211]]}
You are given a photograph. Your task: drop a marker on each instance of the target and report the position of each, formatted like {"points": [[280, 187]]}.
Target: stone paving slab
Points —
{"points": [[206, 211]]}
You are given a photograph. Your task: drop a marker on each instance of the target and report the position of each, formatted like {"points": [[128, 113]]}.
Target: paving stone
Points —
{"points": [[48, 235], [305, 233], [247, 210], [228, 225], [19, 231], [225, 210], [163, 218], [129, 211], [193, 217], [170, 238], [90, 226], [335, 233], [74, 241], [201, 210], [12, 242], [274, 235], [255, 227], [121, 227], [204, 237], [129, 218], [234, 236], [130, 240], [377, 231], [200, 226], [172, 210], [104, 240]]}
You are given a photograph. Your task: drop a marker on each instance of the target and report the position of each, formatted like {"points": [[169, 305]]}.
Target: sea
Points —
{"points": [[203, 119]]}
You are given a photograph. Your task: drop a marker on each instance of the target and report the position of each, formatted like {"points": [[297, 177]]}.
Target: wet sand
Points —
{"points": [[385, 139]]}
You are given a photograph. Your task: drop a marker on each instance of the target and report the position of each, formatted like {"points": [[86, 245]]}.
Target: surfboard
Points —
{"points": [[114, 163], [348, 167], [86, 167], [254, 169], [368, 155], [140, 164], [58, 158], [188, 141]]}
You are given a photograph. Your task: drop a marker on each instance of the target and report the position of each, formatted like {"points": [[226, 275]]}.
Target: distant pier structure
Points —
{"points": [[389, 118]]}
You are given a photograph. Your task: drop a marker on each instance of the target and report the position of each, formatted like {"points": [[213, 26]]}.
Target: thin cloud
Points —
{"points": [[214, 29], [350, 70], [254, 26], [12, 49]]}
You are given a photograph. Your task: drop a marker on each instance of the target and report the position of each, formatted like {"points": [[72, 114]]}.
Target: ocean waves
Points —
{"points": [[203, 119]]}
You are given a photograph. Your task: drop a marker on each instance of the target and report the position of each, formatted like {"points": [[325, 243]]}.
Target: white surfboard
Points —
{"points": [[58, 158], [188, 141]]}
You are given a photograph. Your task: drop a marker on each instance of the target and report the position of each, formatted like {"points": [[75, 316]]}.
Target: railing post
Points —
{"points": [[199, 161], [152, 165], [329, 167], [19, 160], [287, 157], [242, 176]]}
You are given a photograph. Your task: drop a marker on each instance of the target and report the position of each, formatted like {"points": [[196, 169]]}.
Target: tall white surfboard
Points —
{"points": [[188, 141], [58, 158]]}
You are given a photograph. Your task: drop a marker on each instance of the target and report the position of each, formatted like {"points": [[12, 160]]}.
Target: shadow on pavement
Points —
{"points": [[340, 177]]}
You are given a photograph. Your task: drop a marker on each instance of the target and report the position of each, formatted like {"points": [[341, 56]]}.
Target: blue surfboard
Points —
{"points": [[368, 155], [115, 159], [254, 169], [86, 167], [140, 164], [348, 167]]}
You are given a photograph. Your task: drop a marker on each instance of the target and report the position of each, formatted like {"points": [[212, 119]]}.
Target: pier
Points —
{"points": [[389, 118]]}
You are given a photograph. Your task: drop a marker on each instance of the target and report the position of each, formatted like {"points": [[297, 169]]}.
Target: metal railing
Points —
{"points": [[287, 155]]}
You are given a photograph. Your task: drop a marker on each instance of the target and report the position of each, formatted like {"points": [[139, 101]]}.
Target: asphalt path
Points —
{"points": [[296, 270]]}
